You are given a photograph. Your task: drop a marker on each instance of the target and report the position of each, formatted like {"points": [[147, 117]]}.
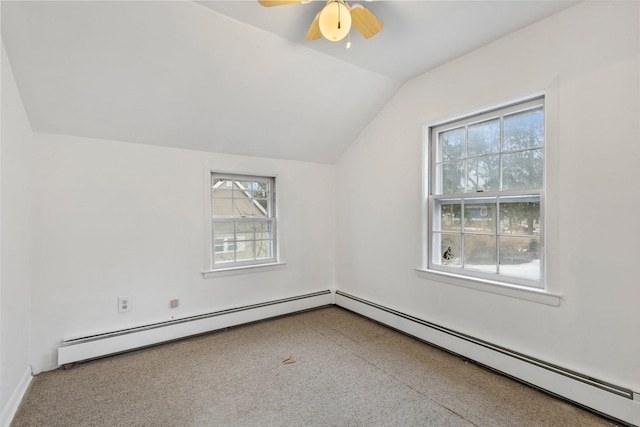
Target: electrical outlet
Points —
{"points": [[124, 304]]}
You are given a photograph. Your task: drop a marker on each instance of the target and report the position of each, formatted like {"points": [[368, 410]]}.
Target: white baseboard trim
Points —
{"points": [[100, 345], [10, 409], [613, 401]]}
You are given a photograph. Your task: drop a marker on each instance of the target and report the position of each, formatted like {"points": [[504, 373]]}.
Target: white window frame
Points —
{"points": [[213, 269], [550, 295], [534, 290], [467, 197]]}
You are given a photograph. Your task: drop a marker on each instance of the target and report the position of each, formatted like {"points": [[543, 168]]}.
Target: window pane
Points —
{"points": [[218, 245], [242, 205], [261, 207], [245, 251], [221, 198], [480, 216], [449, 245], [222, 207], [245, 230], [451, 177], [520, 215], [483, 174], [222, 193], [450, 216], [245, 185], [523, 130], [223, 256], [480, 253], [451, 145], [264, 248], [264, 230], [520, 257], [221, 183], [223, 229], [484, 138], [522, 170], [261, 189]]}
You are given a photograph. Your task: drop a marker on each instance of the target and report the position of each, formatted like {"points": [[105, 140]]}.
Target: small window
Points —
{"points": [[485, 195], [243, 220]]}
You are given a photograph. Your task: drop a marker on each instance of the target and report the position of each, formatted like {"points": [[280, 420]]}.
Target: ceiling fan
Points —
{"points": [[335, 19]]}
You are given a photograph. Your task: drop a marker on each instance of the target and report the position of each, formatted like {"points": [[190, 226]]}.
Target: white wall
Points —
{"points": [[592, 49], [16, 244], [120, 219]]}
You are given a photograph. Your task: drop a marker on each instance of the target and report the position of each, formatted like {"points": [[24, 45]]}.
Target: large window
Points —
{"points": [[485, 195], [243, 220]]}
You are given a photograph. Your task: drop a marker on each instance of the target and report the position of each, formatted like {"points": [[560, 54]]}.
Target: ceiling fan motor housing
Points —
{"points": [[335, 20]]}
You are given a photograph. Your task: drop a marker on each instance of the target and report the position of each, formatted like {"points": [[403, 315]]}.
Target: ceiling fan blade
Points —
{"points": [[314, 29], [269, 3], [365, 22]]}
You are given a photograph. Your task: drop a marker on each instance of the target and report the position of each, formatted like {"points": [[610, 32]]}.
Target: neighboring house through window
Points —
{"points": [[243, 220], [486, 195]]}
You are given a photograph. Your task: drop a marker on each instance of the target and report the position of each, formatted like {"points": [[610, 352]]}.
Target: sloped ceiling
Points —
{"points": [[232, 76]]}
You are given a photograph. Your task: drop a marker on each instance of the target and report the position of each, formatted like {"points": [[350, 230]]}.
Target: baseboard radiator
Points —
{"points": [[618, 403], [100, 345]]}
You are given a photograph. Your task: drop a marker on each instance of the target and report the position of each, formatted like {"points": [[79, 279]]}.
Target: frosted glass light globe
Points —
{"points": [[335, 13]]}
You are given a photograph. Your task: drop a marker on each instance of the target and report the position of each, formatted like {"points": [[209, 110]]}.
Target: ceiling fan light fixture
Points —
{"points": [[335, 21]]}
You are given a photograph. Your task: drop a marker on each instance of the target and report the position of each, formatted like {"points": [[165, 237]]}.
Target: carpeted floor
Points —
{"points": [[327, 367]]}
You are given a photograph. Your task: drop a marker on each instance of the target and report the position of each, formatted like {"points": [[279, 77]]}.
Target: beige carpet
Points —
{"points": [[327, 367]]}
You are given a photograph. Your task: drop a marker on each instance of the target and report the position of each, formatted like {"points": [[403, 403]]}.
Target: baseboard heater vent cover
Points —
{"points": [[104, 344], [603, 385]]}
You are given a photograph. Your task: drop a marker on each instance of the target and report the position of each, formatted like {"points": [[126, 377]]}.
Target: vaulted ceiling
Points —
{"points": [[232, 76]]}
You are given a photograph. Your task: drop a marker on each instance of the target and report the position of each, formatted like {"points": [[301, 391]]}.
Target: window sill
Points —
{"points": [[529, 294], [246, 269]]}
